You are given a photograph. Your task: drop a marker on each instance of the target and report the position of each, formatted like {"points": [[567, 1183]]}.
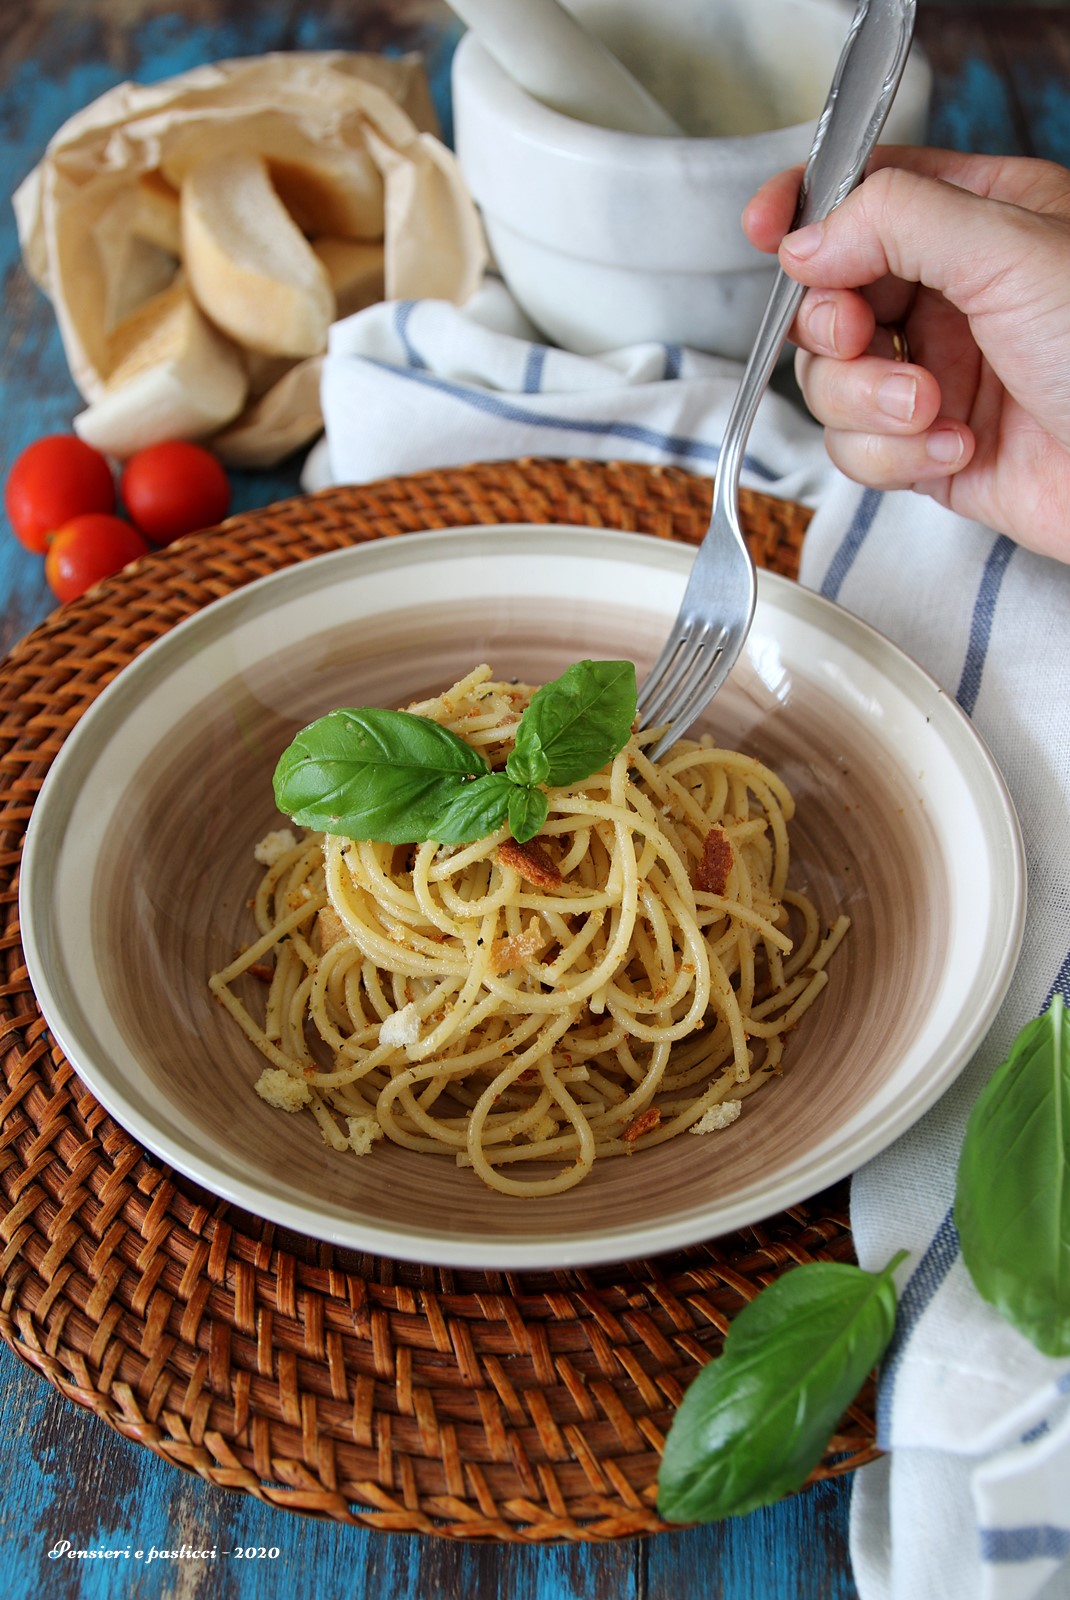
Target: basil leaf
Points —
{"points": [[373, 774], [528, 762], [575, 724], [528, 810], [1012, 1201], [755, 1423], [475, 810]]}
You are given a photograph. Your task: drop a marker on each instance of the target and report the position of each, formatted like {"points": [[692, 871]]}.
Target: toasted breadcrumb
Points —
{"points": [[402, 1028], [273, 846], [712, 872], [510, 953], [532, 860], [329, 928], [645, 1122], [363, 1132], [545, 1128], [719, 1116], [279, 1089]]}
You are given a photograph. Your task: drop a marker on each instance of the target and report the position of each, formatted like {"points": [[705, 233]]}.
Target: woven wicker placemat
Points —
{"points": [[524, 1406]]}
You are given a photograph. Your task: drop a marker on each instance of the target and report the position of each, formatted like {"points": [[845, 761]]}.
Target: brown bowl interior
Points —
{"points": [[179, 870]]}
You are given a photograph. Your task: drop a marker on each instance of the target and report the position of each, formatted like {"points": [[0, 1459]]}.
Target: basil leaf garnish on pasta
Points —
{"points": [[575, 724], [373, 774], [1012, 1202], [475, 810], [400, 778], [528, 810], [756, 1421]]}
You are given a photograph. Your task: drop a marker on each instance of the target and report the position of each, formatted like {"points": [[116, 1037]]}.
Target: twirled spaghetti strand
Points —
{"points": [[634, 982]]}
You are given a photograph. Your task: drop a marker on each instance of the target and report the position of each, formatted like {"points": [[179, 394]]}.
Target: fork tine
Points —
{"points": [[698, 648], [695, 696], [654, 679]]}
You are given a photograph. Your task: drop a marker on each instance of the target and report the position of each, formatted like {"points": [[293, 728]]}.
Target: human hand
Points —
{"points": [[970, 257]]}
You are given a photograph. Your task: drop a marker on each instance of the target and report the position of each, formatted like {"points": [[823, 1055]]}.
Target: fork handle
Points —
{"points": [[863, 88]]}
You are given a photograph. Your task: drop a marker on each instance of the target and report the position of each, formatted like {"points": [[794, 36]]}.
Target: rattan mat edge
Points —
{"points": [[516, 1407]]}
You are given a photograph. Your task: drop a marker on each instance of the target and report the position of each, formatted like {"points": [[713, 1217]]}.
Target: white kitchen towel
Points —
{"points": [[408, 385], [975, 1499], [972, 1501]]}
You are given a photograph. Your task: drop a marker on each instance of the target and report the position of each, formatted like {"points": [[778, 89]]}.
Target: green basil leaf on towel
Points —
{"points": [[1012, 1204]]}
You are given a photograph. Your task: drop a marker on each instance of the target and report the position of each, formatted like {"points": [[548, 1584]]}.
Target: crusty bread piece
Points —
{"points": [[337, 194], [275, 424], [250, 268], [355, 269], [171, 376], [156, 217]]}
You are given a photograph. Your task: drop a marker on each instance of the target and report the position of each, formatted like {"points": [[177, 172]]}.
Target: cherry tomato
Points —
{"points": [[54, 479], [87, 549], [174, 488]]}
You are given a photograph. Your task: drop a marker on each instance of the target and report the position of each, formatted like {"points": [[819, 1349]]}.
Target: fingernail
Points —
{"points": [[945, 446], [898, 395], [805, 242], [822, 323]]}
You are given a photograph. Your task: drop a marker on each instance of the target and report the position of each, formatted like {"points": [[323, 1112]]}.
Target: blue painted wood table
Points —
{"points": [[1001, 84]]}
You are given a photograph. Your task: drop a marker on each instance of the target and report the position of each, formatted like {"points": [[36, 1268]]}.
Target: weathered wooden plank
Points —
{"points": [[1036, 62], [972, 108], [795, 1550], [1000, 78]]}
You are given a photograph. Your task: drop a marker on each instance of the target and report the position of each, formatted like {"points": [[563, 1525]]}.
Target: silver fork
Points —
{"points": [[718, 604]]}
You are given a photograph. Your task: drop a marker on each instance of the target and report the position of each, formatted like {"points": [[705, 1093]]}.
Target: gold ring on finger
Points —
{"points": [[900, 344]]}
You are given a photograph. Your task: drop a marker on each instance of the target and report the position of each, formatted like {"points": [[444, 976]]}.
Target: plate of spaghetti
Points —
{"points": [[571, 1005]]}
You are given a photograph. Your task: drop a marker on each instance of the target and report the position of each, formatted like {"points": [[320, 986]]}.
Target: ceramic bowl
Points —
{"points": [[609, 239], [139, 865]]}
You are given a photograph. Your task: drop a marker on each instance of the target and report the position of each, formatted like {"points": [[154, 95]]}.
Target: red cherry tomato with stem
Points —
{"points": [[174, 488], [88, 549], [54, 479]]}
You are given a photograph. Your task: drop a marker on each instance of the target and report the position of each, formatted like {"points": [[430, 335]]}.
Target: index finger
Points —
{"points": [[1040, 186], [1034, 185]]}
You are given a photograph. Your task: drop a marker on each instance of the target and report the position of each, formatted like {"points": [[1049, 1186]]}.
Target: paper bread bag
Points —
{"points": [[197, 237]]}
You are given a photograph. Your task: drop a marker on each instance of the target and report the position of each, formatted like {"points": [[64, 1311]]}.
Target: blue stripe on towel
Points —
{"points": [[927, 1277], [984, 609], [1038, 1543], [674, 358], [402, 316], [930, 1273], [678, 446], [1061, 986], [853, 540], [533, 371]]}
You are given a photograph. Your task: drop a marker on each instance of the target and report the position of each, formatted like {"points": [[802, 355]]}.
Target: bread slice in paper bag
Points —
{"points": [[172, 375], [198, 236]]}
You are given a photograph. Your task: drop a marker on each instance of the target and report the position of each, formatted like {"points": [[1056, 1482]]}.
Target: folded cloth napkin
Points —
{"points": [[414, 384], [972, 1501]]}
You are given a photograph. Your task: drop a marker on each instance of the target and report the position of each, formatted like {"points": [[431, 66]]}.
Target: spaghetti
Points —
{"points": [[527, 1009]]}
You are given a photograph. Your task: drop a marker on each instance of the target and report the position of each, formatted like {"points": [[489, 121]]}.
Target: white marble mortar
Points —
{"points": [[610, 239]]}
